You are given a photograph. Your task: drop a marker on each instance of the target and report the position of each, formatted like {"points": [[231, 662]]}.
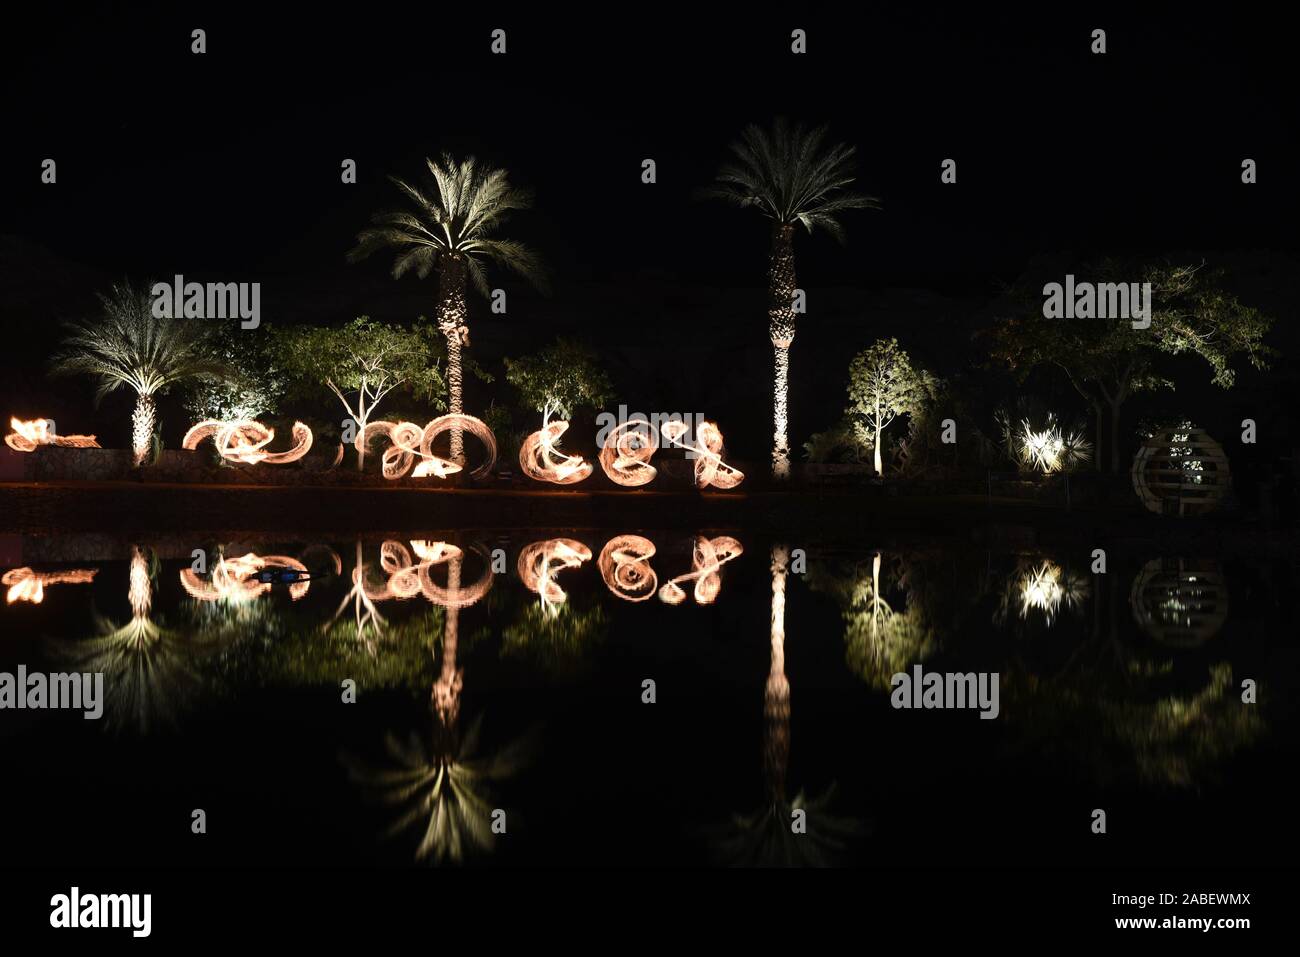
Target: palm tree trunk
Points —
{"points": [[452, 317], [780, 389], [780, 319], [142, 426]]}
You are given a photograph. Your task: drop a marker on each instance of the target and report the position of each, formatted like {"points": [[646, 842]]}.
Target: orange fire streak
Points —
{"points": [[28, 435], [234, 579], [625, 457], [541, 459], [27, 585], [707, 560], [707, 449], [624, 564], [410, 442], [540, 562], [245, 440]]}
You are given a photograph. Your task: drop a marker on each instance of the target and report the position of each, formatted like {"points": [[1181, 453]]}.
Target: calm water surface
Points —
{"points": [[504, 677]]}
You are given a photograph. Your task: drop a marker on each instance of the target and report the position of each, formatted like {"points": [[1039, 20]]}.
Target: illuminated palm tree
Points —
{"points": [[792, 175], [450, 228], [130, 346]]}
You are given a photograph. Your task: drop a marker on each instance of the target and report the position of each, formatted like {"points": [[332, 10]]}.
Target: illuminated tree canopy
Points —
{"points": [[127, 346], [1107, 360], [361, 363]]}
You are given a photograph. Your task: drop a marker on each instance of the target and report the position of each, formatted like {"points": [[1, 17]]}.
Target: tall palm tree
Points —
{"points": [[130, 346], [792, 175], [451, 228]]}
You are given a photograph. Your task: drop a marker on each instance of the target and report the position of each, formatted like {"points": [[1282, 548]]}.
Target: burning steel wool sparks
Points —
{"points": [[625, 456], [624, 565], [409, 442], [28, 435], [707, 559], [245, 440], [27, 585], [540, 562], [707, 449], [541, 459]]}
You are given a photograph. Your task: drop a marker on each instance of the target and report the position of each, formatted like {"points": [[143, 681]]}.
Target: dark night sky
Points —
{"points": [[226, 166]]}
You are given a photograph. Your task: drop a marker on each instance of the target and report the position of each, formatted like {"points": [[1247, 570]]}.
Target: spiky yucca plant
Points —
{"points": [[128, 346], [451, 228], [792, 175]]}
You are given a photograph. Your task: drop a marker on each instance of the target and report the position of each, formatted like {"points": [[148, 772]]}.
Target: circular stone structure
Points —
{"points": [[1181, 470]]}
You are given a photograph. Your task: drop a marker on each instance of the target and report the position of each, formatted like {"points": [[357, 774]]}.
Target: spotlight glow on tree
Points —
{"points": [[793, 176], [365, 360], [128, 346], [883, 384], [451, 228]]}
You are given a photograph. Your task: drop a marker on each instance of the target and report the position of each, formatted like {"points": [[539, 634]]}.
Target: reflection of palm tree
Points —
{"points": [[148, 669], [767, 837], [439, 783]]}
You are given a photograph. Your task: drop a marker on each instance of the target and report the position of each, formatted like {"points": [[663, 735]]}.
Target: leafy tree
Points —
{"points": [[792, 175], [883, 384], [361, 363], [451, 228], [254, 387], [1107, 360], [128, 346], [563, 377]]}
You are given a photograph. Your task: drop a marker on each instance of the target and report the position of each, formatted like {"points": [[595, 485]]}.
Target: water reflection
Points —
{"points": [[1180, 603], [150, 671], [1040, 590], [888, 627], [1140, 685], [798, 831]]}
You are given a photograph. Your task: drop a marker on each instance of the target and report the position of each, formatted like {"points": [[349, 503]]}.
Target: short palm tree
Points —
{"points": [[451, 228], [130, 346], [792, 175]]}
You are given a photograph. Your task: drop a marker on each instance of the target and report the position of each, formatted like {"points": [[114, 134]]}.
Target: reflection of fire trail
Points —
{"points": [[407, 577], [235, 579], [707, 448], [245, 440], [626, 455], [541, 459], [540, 562], [27, 435], [707, 559], [1046, 587], [624, 565], [410, 442], [27, 585]]}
